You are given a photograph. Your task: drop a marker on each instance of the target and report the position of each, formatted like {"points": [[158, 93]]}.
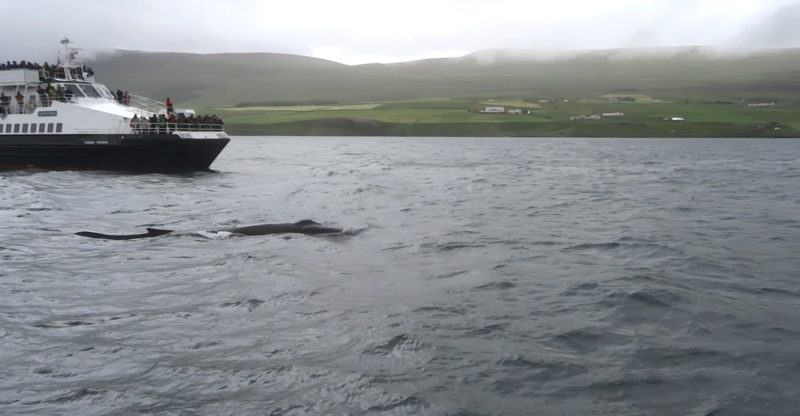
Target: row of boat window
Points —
{"points": [[32, 128]]}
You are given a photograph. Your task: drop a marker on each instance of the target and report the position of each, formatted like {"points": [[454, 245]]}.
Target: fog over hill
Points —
{"points": [[781, 30]]}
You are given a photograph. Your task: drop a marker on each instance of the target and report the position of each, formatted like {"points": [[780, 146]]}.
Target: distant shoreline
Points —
{"points": [[610, 115], [371, 128]]}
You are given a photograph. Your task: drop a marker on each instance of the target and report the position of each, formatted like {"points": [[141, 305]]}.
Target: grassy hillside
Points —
{"points": [[229, 79], [287, 94], [649, 118]]}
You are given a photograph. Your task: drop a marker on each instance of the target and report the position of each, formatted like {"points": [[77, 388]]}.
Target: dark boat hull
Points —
{"points": [[134, 153]]}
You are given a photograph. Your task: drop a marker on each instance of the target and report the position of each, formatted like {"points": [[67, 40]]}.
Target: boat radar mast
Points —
{"points": [[66, 58]]}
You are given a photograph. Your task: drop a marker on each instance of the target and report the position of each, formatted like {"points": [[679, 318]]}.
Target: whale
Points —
{"points": [[308, 227], [151, 232]]}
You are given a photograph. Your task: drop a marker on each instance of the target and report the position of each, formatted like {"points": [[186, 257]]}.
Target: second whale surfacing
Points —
{"points": [[308, 227]]}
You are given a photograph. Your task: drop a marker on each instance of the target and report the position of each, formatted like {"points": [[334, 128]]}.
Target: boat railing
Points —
{"points": [[10, 105], [156, 128], [13, 106], [46, 100]]}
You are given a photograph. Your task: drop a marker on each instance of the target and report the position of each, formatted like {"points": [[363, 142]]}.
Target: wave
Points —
{"points": [[627, 246], [398, 343], [249, 304], [493, 286]]}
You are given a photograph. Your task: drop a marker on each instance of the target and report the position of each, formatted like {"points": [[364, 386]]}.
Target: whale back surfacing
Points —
{"points": [[309, 227], [151, 232], [301, 227]]}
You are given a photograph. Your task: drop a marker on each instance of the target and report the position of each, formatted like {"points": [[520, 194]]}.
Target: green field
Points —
{"points": [[511, 103], [650, 118], [304, 108]]}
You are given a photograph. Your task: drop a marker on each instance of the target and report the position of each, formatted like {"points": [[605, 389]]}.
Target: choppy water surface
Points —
{"points": [[484, 277]]}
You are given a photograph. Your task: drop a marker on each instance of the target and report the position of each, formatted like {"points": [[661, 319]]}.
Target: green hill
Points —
{"points": [[230, 79], [712, 95]]}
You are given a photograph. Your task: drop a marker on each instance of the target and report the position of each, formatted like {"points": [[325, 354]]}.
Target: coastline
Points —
{"points": [[647, 117], [373, 128]]}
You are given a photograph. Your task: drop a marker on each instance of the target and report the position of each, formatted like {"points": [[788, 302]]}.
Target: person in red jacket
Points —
{"points": [[170, 109], [171, 120]]}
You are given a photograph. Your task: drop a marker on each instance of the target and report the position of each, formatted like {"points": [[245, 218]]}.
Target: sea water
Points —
{"points": [[478, 276]]}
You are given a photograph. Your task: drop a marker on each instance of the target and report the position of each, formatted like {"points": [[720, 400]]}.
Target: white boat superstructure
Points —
{"points": [[67, 96], [42, 106]]}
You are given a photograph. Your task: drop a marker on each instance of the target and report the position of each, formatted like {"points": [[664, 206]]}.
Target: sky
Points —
{"points": [[364, 31]]}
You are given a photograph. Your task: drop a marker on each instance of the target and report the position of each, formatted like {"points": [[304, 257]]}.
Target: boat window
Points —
{"points": [[24, 127], [89, 91], [105, 92], [16, 128], [41, 127], [75, 91], [59, 127], [33, 127], [49, 127], [8, 128], [1, 129]]}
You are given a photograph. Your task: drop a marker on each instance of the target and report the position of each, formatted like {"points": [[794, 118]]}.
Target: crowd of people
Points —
{"points": [[123, 97], [155, 124], [161, 123], [21, 65], [47, 94], [47, 71]]}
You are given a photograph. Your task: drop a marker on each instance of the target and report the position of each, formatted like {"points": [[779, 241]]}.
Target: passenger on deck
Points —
{"points": [[170, 108], [43, 96], [60, 93], [4, 100], [162, 124], [126, 98], [171, 120], [135, 123], [119, 96], [181, 121], [20, 101], [153, 124]]}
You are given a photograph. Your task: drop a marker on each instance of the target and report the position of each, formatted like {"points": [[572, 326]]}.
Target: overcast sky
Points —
{"points": [[360, 31]]}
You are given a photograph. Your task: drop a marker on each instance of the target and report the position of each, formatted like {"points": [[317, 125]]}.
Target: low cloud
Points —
{"points": [[359, 31], [780, 30]]}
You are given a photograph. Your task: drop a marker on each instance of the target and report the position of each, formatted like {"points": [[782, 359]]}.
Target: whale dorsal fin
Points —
{"points": [[154, 232], [306, 223]]}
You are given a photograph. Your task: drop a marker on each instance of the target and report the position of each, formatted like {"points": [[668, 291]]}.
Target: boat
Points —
{"points": [[57, 117]]}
